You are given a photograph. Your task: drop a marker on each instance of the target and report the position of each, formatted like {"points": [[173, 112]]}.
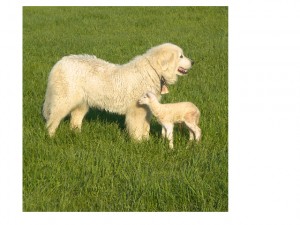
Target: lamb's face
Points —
{"points": [[145, 100]]}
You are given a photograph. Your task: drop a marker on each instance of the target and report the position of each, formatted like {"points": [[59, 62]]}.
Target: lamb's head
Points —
{"points": [[147, 98]]}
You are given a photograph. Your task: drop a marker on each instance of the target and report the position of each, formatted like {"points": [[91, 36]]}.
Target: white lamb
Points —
{"points": [[169, 114]]}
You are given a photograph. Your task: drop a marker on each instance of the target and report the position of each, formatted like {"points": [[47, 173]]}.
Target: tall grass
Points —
{"points": [[101, 169]]}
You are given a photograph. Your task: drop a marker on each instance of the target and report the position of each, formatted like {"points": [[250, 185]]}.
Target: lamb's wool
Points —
{"points": [[169, 114]]}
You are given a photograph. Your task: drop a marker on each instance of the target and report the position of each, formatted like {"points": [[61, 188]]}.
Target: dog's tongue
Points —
{"points": [[164, 89]]}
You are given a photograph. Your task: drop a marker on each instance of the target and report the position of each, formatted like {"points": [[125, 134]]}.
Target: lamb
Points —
{"points": [[169, 114]]}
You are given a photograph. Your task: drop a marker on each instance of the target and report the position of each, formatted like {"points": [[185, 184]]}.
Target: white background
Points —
{"points": [[264, 119]]}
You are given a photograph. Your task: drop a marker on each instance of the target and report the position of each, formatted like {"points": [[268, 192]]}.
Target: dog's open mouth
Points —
{"points": [[182, 70]]}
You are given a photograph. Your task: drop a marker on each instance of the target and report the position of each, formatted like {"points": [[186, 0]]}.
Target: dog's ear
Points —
{"points": [[165, 59]]}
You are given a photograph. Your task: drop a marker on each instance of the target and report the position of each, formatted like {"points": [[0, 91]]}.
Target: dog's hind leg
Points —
{"points": [[54, 119], [59, 109], [77, 116]]}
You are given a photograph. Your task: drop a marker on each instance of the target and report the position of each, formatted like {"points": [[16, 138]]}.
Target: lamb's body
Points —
{"points": [[169, 114]]}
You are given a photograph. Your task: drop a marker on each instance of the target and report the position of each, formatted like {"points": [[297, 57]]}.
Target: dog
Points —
{"points": [[78, 82]]}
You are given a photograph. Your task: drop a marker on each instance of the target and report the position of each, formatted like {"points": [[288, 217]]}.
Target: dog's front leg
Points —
{"points": [[138, 122]]}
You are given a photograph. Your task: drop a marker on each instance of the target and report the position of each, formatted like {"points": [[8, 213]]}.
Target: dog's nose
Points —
{"points": [[192, 62]]}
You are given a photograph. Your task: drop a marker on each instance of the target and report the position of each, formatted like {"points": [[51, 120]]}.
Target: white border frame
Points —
{"points": [[264, 121]]}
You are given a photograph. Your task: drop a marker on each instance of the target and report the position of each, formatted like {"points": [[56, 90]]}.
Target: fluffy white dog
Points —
{"points": [[78, 82]]}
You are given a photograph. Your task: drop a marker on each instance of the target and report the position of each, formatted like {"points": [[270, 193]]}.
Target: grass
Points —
{"points": [[101, 169]]}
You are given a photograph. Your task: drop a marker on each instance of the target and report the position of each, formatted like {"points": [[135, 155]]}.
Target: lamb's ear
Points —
{"points": [[150, 94]]}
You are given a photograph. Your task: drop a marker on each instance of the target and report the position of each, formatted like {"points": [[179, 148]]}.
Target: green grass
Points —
{"points": [[101, 169]]}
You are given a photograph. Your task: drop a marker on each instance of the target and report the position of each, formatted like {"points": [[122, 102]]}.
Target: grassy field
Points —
{"points": [[100, 169]]}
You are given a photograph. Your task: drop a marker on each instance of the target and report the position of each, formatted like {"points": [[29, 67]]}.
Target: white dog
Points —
{"points": [[78, 82]]}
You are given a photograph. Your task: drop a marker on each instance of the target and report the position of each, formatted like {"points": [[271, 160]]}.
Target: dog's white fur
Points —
{"points": [[78, 82], [169, 114]]}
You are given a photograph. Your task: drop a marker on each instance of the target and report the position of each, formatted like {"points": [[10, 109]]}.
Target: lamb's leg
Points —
{"points": [[192, 136], [198, 134], [169, 131], [195, 129]]}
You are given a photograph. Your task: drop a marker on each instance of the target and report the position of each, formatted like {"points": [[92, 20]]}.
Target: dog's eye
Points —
{"points": [[181, 56]]}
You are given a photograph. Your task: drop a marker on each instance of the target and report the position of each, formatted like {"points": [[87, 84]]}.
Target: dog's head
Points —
{"points": [[169, 61]]}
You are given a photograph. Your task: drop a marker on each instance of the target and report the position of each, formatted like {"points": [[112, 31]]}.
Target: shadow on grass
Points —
{"points": [[104, 117], [107, 117]]}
